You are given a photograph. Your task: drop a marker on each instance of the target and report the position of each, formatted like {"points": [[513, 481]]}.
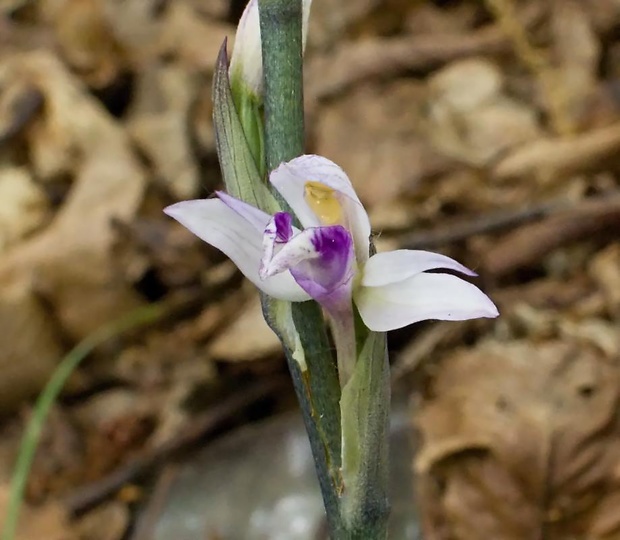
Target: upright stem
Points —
{"points": [[347, 430], [316, 382], [280, 22]]}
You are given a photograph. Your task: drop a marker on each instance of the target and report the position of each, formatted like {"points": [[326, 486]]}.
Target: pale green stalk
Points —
{"points": [[355, 496]]}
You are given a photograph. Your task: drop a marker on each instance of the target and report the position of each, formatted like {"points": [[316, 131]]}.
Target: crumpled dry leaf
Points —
{"points": [[605, 270], [86, 40], [518, 439], [47, 522], [70, 262], [429, 18], [605, 14], [106, 522], [247, 338], [23, 205], [332, 18], [380, 150], [470, 117], [577, 52], [195, 40], [161, 129], [34, 347]]}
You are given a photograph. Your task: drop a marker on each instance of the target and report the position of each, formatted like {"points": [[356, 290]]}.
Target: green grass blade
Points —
{"points": [[48, 396]]}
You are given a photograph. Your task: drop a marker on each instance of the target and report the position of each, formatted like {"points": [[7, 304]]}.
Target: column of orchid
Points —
{"points": [[302, 236]]}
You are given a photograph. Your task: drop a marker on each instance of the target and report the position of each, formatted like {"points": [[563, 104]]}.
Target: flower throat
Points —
{"points": [[323, 201]]}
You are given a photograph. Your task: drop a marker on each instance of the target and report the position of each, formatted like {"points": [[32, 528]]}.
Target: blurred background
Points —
{"points": [[485, 130]]}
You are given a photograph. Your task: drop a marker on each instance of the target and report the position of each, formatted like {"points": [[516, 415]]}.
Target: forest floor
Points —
{"points": [[488, 131]]}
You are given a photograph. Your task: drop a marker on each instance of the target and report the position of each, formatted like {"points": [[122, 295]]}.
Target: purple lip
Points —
{"points": [[333, 269]]}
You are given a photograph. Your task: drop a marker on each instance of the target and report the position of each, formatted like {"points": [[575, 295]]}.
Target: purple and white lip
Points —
{"points": [[320, 259]]}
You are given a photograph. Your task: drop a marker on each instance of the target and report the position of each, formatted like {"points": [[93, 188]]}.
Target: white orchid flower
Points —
{"points": [[246, 63], [329, 259]]}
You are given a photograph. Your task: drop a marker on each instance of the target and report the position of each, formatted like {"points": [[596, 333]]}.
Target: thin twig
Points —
{"points": [[329, 75], [380, 58], [90, 495], [148, 520], [488, 223], [531, 243], [560, 157], [420, 349]]}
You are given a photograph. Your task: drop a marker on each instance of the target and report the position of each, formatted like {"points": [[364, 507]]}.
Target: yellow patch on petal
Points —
{"points": [[323, 201]]}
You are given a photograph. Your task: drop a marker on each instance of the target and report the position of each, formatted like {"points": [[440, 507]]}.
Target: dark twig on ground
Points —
{"points": [[531, 243], [488, 223], [201, 426]]}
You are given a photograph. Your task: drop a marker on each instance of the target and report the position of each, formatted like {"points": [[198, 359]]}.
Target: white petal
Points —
{"points": [[255, 217], [290, 180], [422, 297], [305, 19], [222, 227], [392, 266]]}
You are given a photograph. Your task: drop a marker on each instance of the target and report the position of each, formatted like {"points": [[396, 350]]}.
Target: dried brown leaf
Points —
{"points": [[520, 441], [469, 116], [577, 52], [382, 150], [106, 522], [247, 338], [70, 263], [605, 270], [23, 205], [49, 521]]}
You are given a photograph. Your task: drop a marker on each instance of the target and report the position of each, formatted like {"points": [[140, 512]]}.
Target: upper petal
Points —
{"points": [[393, 266], [255, 217], [290, 180], [220, 225], [421, 297]]}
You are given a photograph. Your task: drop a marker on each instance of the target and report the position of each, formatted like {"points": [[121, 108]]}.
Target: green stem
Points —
{"points": [[280, 22], [316, 382], [353, 483]]}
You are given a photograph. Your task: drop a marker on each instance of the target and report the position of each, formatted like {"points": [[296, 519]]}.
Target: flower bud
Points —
{"points": [[246, 63]]}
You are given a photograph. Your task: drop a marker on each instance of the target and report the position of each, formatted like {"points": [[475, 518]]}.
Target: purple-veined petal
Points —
{"points": [[278, 232], [421, 297], [394, 266], [290, 180], [255, 217], [227, 230]]}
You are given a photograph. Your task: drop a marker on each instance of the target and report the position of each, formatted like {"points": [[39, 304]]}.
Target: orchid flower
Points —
{"points": [[246, 63], [328, 260]]}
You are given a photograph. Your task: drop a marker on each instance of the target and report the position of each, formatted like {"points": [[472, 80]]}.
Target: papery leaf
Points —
{"points": [[365, 407], [241, 175], [520, 440]]}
